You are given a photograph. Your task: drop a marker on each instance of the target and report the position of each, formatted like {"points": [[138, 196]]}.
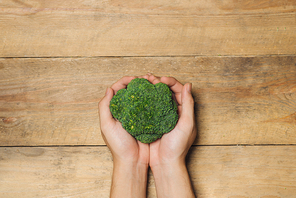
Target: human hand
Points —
{"points": [[174, 145], [130, 156], [123, 146], [167, 154]]}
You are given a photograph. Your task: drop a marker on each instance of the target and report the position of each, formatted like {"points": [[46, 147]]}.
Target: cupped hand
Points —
{"points": [[173, 146], [124, 147]]}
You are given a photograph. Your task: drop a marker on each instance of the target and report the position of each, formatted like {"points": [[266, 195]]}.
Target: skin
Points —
{"points": [[166, 156]]}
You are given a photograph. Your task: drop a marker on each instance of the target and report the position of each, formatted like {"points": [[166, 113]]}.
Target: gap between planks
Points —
{"points": [[161, 56]]}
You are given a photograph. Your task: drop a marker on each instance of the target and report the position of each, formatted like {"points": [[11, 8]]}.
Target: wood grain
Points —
{"points": [[37, 28], [239, 100], [184, 7], [227, 171]]}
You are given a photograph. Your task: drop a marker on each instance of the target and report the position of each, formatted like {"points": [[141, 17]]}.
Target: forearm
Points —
{"points": [[129, 180], [172, 180]]}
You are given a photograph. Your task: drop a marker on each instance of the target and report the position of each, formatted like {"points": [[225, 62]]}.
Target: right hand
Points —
{"points": [[173, 146], [124, 148]]}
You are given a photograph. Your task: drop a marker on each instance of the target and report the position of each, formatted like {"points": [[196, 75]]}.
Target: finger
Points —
{"points": [[154, 79], [174, 85], [187, 111], [106, 118], [122, 83], [145, 76]]}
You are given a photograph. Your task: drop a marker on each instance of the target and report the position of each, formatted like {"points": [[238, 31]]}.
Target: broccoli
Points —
{"points": [[146, 111]]}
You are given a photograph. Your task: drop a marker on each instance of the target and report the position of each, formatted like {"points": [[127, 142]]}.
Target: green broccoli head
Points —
{"points": [[146, 111]]}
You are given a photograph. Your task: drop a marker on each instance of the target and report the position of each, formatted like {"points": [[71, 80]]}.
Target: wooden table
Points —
{"points": [[58, 57]]}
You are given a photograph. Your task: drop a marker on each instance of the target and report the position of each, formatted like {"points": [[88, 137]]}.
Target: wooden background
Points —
{"points": [[58, 57]]}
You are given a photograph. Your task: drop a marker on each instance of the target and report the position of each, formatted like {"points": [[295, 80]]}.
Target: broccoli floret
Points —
{"points": [[146, 111]]}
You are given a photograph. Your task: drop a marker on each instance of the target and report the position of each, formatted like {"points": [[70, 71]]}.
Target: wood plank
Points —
{"points": [[37, 28], [215, 171], [239, 100], [153, 7]]}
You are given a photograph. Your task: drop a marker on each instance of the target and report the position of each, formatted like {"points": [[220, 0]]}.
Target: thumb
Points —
{"points": [[187, 113], [104, 110]]}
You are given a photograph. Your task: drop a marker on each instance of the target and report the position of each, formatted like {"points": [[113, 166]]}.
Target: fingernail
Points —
{"points": [[107, 91], [189, 88]]}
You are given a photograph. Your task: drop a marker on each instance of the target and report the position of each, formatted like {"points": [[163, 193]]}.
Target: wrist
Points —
{"points": [[130, 163], [167, 163], [135, 167], [169, 167]]}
